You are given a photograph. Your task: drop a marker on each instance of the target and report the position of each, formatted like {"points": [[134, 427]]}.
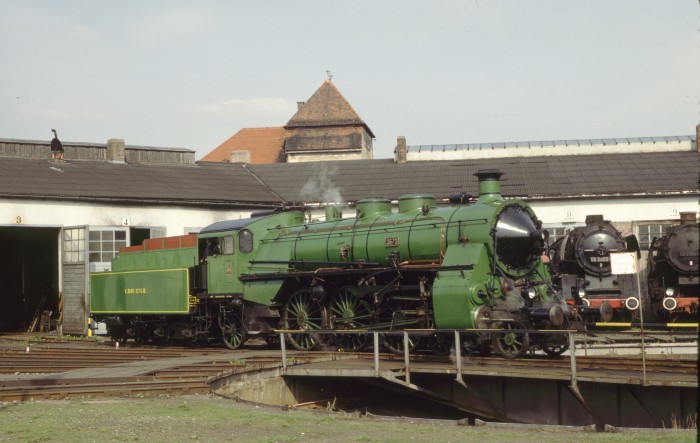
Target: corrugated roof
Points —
{"points": [[538, 177], [207, 183], [575, 142], [92, 145], [656, 173]]}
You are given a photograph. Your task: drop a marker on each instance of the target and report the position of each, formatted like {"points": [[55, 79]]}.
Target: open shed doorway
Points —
{"points": [[29, 275], [138, 235]]}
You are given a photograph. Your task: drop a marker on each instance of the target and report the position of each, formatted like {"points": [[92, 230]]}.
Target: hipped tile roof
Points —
{"points": [[326, 107], [265, 145]]}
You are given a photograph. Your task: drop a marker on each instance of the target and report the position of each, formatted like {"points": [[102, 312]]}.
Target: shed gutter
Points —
{"points": [[199, 203]]}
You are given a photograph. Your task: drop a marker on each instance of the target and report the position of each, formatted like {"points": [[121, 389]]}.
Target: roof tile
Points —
{"points": [[264, 144], [326, 107]]}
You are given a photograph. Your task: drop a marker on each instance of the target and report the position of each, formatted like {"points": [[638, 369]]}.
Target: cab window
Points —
{"points": [[227, 245], [245, 241]]}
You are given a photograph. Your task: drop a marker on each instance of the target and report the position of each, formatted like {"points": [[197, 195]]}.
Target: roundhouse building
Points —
{"points": [[61, 219]]}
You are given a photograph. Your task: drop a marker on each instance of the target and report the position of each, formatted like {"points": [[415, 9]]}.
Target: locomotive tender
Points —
{"points": [[474, 265], [582, 270], [672, 264]]}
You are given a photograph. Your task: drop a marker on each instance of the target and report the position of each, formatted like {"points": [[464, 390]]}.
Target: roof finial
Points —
{"points": [[329, 75]]}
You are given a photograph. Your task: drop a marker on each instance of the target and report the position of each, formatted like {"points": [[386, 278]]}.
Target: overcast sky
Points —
{"points": [[192, 73]]}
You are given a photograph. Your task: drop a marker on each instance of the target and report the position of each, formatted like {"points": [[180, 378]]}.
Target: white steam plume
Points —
{"points": [[320, 188]]}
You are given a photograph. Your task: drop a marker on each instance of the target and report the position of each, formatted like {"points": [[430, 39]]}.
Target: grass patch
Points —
{"points": [[208, 418]]}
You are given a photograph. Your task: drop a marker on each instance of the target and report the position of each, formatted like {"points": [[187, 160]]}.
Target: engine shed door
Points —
{"points": [[73, 295]]}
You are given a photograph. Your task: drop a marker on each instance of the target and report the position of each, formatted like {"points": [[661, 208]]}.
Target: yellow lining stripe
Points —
{"points": [[651, 325]]}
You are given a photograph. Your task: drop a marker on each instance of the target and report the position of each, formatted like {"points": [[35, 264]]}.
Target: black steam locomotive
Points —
{"points": [[673, 271], [581, 269]]}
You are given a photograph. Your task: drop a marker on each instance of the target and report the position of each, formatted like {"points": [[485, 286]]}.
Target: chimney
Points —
{"points": [[400, 150], [300, 105], [115, 150], [240, 157]]}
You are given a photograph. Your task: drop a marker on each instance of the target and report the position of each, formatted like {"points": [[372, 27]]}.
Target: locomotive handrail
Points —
{"points": [[282, 275], [319, 262]]}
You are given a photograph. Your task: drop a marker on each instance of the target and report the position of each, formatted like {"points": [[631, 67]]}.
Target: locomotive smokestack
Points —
{"points": [[688, 218], [594, 219], [489, 184]]}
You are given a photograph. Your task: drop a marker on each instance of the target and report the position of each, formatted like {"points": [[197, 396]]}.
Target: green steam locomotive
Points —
{"points": [[476, 264]]}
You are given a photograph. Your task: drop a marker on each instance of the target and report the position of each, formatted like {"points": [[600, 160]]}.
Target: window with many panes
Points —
{"points": [[105, 243], [73, 245], [557, 232], [647, 232]]}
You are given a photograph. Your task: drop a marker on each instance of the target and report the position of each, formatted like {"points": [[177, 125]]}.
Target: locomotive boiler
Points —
{"points": [[672, 266], [477, 265], [582, 270]]}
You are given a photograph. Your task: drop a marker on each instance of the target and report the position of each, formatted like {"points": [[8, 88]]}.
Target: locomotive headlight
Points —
{"points": [[531, 293], [556, 315], [581, 293], [632, 303], [670, 292], [670, 304]]}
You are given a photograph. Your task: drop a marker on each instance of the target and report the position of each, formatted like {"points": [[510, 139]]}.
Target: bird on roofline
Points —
{"points": [[56, 146]]}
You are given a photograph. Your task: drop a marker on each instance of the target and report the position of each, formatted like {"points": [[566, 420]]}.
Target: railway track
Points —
{"points": [[62, 372], [54, 360], [55, 373]]}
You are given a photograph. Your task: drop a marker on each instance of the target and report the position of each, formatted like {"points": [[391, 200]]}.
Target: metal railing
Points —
{"points": [[574, 338]]}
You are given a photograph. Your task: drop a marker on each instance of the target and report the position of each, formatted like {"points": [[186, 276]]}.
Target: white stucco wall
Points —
{"points": [[180, 220], [616, 210], [175, 220], [574, 211]]}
